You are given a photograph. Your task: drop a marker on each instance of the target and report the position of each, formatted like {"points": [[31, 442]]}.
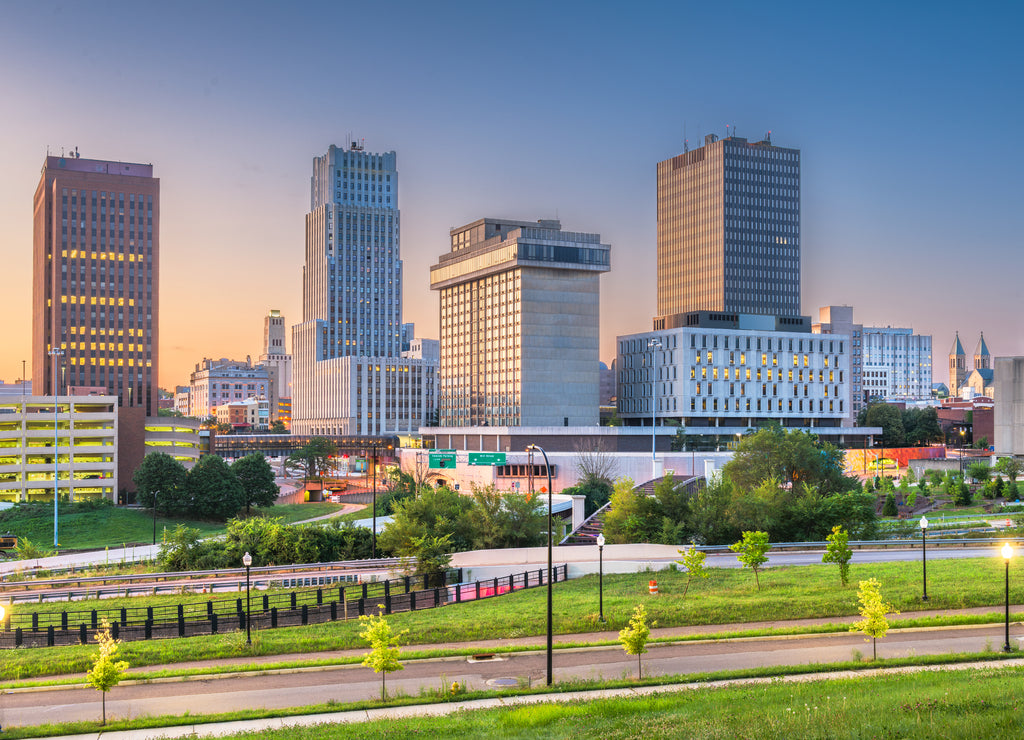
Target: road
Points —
{"points": [[353, 683]]}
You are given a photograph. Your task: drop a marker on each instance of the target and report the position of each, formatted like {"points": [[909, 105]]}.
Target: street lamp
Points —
{"points": [[1007, 554], [56, 353], [547, 465], [654, 345], [924, 560], [247, 561], [963, 438], [373, 551], [600, 576], [154, 516]]}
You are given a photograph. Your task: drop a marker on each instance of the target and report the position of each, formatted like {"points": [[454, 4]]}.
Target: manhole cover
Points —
{"points": [[504, 683]]}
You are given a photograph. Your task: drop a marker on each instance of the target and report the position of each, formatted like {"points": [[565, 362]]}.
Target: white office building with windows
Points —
{"points": [[897, 364], [727, 373]]}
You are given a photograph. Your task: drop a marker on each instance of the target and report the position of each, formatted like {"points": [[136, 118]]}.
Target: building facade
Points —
{"points": [[839, 320], [217, 382], [519, 324], [718, 380], [897, 364], [729, 229], [174, 436], [86, 447], [278, 362], [96, 270], [348, 374]]}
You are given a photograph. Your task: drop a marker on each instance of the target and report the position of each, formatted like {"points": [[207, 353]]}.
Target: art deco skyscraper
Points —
{"points": [[349, 377], [96, 266], [729, 229]]}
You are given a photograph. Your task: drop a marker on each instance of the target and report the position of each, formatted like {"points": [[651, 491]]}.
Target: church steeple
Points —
{"points": [[957, 366], [982, 357]]}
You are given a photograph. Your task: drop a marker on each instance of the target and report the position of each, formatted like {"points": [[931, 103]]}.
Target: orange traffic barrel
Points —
{"points": [[653, 587]]}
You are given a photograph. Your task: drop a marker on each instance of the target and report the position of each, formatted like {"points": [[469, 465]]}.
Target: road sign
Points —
{"points": [[486, 458], [444, 459]]}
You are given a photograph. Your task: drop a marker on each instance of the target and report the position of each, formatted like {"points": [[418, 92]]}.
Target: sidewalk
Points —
{"points": [[441, 709], [560, 641]]}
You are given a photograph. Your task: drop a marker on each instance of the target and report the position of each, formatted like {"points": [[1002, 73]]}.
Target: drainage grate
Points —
{"points": [[504, 683]]}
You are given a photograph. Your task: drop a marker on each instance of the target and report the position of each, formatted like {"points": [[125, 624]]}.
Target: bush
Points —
{"points": [[889, 508], [961, 492]]}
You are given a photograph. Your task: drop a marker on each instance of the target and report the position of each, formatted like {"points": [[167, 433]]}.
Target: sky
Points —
{"points": [[906, 115]]}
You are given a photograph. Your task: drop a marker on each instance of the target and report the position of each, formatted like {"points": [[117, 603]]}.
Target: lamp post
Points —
{"points": [[924, 560], [963, 438], [373, 553], [1007, 554], [600, 576], [654, 345], [550, 535], [154, 516], [56, 353], [247, 561]]}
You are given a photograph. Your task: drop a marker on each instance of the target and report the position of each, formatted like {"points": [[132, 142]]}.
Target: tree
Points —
{"points": [[889, 418], [593, 461], [979, 472], [106, 671], [501, 520], [313, 459], [921, 426], [890, 508], [384, 651], [1010, 467], [693, 560], [433, 555], [873, 609], [257, 479], [838, 551], [752, 551], [278, 427], [435, 512], [960, 492], [634, 636], [161, 479], [790, 457], [213, 490], [596, 491]]}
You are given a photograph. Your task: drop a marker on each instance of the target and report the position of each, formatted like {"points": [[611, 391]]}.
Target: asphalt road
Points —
{"points": [[351, 683]]}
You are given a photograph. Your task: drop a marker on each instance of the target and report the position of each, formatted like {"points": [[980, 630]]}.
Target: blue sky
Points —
{"points": [[906, 115]]}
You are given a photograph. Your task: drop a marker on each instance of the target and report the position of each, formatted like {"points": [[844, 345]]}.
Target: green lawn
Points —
{"points": [[728, 596], [920, 705], [116, 527]]}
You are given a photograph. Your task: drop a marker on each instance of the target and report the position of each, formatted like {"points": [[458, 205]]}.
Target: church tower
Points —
{"points": [[957, 366], [982, 357]]}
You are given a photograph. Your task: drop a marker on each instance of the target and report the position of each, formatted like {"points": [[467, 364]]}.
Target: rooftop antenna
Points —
{"points": [[686, 142], [727, 130]]}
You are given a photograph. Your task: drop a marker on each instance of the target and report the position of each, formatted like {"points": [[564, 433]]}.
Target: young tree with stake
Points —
{"points": [[106, 672]]}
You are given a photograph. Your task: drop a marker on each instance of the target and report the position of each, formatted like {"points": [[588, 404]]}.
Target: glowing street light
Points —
{"points": [[1007, 554], [247, 561]]}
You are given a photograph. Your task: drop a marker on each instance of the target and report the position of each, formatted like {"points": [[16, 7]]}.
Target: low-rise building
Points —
{"points": [[174, 436]]}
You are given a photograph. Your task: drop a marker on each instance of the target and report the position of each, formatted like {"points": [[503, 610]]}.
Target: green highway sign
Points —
{"points": [[441, 459], [486, 458]]}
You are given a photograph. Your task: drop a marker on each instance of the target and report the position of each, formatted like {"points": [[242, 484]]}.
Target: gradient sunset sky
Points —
{"points": [[908, 116]]}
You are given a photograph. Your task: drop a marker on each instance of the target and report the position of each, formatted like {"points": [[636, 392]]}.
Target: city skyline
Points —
{"points": [[559, 111]]}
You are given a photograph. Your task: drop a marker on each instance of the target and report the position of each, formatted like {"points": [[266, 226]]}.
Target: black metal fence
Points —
{"points": [[267, 611]]}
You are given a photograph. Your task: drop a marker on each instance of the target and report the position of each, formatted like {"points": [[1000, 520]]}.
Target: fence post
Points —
{"points": [[266, 603], [273, 616], [115, 630], [213, 624], [49, 636], [181, 621], [124, 617], [407, 584], [82, 636], [294, 602], [209, 610], [319, 596], [241, 620], [238, 606], [478, 590], [426, 581], [19, 636], [387, 589], [334, 611], [495, 587], [458, 593], [362, 607], [341, 594], [305, 614], [365, 595], [149, 614], [437, 596], [95, 619], [148, 629], [63, 620], [35, 621], [412, 601]]}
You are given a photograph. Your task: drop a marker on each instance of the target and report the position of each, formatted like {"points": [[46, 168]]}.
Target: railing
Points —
{"points": [[268, 611], [906, 544]]}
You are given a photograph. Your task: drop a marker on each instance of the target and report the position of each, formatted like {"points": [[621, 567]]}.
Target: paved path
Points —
{"points": [[304, 686]]}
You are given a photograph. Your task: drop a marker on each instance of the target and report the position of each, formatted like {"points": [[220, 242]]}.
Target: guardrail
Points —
{"points": [[268, 611], [134, 578], [909, 543]]}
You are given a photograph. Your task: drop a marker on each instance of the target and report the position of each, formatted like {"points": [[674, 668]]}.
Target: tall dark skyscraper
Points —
{"points": [[96, 264], [729, 229]]}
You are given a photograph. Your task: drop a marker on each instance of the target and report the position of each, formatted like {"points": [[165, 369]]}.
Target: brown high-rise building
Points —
{"points": [[96, 264], [729, 230], [96, 268]]}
